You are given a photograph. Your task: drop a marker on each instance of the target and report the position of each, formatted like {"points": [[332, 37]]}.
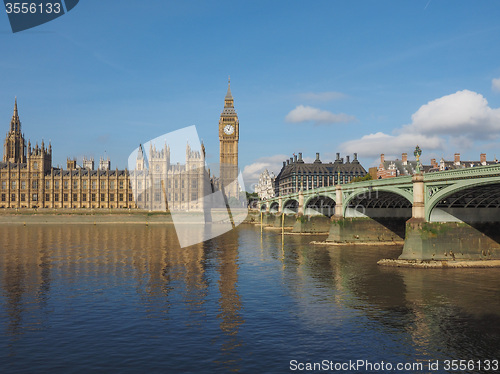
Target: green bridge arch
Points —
{"points": [[432, 201], [370, 190], [326, 195]]}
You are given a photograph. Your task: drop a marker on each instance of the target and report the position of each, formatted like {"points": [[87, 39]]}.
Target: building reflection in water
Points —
{"points": [[229, 301], [145, 259], [224, 295]]}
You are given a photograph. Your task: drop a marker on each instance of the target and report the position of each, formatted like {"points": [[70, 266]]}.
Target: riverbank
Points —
{"points": [[94, 216], [83, 216]]}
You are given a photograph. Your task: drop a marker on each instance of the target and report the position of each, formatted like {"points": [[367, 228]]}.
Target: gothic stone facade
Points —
{"points": [[265, 187], [229, 134], [159, 185], [28, 180]]}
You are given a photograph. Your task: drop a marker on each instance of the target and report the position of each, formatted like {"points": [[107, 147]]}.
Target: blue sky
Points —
{"points": [[323, 76]]}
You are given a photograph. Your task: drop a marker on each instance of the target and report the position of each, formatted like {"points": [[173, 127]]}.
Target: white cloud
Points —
{"points": [[495, 84], [317, 116], [453, 121], [373, 145], [252, 172], [322, 96], [464, 112]]}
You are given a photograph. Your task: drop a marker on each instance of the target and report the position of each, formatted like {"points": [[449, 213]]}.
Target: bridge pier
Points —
{"points": [[267, 219], [451, 241], [301, 203], [365, 230], [312, 224], [275, 220], [448, 240], [362, 229]]}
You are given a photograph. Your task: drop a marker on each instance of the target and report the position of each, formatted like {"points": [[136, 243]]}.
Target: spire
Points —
{"points": [[140, 154], [15, 124], [228, 95], [228, 100]]}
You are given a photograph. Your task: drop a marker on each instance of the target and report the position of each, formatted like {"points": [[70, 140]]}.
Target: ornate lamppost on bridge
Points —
{"points": [[418, 207], [417, 154]]}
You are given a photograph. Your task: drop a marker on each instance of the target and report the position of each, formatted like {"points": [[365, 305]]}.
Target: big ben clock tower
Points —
{"points": [[229, 133]]}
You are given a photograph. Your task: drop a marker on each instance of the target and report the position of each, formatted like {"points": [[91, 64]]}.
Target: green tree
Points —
{"points": [[367, 177]]}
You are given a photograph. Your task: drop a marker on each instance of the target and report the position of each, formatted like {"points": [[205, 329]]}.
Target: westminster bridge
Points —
{"points": [[443, 215]]}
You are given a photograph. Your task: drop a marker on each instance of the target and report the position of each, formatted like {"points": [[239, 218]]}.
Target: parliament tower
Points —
{"points": [[14, 149], [229, 130]]}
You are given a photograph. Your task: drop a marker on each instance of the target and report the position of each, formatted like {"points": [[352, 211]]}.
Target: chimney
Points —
{"points": [[317, 161], [300, 156], [404, 158], [294, 158], [347, 157], [457, 158], [382, 158], [338, 156], [483, 158], [284, 163], [434, 163], [288, 162], [355, 157]]}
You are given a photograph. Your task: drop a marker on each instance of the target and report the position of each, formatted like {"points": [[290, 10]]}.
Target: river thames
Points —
{"points": [[127, 299]]}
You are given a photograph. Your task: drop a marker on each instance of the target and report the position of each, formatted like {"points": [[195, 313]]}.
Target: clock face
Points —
{"points": [[228, 129]]}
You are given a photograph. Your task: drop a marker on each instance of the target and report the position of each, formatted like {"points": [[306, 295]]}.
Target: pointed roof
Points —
{"points": [[15, 107], [229, 95], [228, 102], [140, 153], [15, 123]]}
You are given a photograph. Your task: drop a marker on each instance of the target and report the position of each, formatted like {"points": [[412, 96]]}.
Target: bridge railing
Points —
{"points": [[476, 171], [378, 182]]}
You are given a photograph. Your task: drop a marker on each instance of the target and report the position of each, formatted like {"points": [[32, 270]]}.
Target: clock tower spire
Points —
{"points": [[229, 130]]}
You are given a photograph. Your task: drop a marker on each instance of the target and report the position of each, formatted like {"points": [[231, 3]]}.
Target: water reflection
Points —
{"points": [[127, 297], [229, 301], [443, 313], [97, 260]]}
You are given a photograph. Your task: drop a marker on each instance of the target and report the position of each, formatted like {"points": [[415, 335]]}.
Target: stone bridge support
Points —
{"points": [[450, 241], [312, 224], [361, 229], [424, 241], [300, 210]]}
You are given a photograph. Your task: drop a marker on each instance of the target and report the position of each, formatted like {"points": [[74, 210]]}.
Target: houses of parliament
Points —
{"points": [[28, 179]]}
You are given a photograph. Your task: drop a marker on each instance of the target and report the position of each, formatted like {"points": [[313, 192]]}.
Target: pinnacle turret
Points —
{"points": [[15, 124], [140, 154]]}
